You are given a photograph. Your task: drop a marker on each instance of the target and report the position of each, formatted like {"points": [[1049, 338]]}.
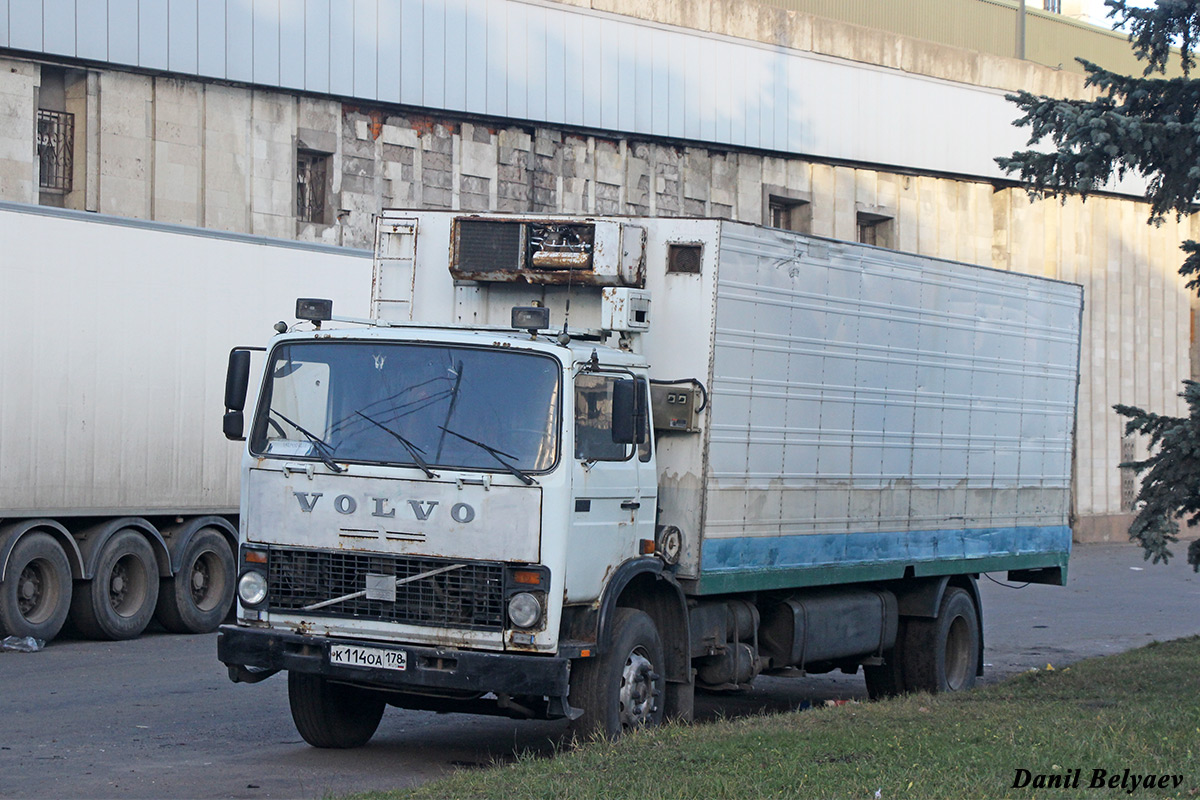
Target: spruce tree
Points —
{"points": [[1147, 126]]}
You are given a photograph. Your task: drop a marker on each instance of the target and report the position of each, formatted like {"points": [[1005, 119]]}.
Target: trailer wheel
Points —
{"points": [[332, 714], [199, 596], [621, 690], [887, 679], [942, 654], [36, 594], [119, 601]]}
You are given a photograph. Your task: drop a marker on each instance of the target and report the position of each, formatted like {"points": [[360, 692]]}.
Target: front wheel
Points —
{"points": [[621, 690], [333, 715], [942, 654]]}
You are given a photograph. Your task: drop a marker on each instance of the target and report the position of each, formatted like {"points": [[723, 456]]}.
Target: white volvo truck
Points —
{"points": [[118, 494], [578, 467]]}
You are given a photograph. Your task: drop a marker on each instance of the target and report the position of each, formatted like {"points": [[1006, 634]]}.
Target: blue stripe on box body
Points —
{"points": [[766, 562]]}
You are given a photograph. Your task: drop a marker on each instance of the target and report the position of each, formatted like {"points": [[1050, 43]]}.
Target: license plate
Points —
{"points": [[349, 655]]}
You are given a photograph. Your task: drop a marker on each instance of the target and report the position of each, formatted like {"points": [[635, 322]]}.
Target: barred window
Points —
{"points": [[1128, 479], [55, 149], [311, 176]]}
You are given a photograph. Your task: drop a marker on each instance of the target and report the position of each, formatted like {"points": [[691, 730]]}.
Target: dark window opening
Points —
{"points": [[55, 149], [312, 172], [789, 213], [874, 229]]}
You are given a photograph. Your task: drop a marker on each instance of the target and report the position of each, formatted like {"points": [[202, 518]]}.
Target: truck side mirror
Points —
{"points": [[237, 382], [629, 412]]}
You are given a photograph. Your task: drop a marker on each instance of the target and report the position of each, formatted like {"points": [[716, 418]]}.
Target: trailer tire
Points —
{"points": [[36, 594], [199, 596], [623, 688], [887, 679], [118, 602], [942, 654], [333, 715]]}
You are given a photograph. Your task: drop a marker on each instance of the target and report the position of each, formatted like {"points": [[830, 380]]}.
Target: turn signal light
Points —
{"points": [[255, 556], [647, 548], [528, 577]]}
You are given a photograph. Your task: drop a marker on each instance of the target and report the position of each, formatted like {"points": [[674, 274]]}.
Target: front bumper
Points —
{"points": [[429, 669]]}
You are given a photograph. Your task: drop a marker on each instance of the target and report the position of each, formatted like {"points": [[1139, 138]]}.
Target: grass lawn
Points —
{"points": [[1138, 711]]}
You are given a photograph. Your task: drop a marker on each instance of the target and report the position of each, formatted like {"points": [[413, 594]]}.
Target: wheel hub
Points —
{"points": [[958, 654], [638, 695], [124, 588], [30, 588], [200, 580]]}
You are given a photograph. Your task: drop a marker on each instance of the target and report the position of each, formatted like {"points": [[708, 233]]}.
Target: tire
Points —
{"points": [[36, 593], [199, 596], [887, 679], [333, 715], [942, 654], [622, 689], [119, 601]]}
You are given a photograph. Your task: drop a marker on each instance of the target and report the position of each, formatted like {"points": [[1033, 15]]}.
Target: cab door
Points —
{"points": [[614, 488]]}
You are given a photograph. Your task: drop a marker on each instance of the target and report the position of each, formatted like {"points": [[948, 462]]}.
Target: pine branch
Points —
{"points": [[1153, 31]]}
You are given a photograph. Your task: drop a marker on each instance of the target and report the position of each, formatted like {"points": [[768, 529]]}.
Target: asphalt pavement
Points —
{"points": [[157, 717]]}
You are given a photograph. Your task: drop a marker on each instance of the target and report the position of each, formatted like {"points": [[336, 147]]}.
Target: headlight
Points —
{"points": [[524, 610], [252, 587]]}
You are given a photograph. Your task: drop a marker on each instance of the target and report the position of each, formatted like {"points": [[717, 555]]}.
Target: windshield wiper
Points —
{"points": [[409, 446], [494, 453], [324, 451]]}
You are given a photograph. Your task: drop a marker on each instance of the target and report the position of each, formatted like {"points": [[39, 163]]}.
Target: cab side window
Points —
{"points": [[593, 420], [647, 431]]}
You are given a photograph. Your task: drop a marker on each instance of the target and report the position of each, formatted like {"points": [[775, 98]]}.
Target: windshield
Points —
{"points": [[415, 404]]}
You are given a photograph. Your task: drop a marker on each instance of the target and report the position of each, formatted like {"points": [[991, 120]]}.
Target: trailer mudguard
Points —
{"points": [[11, 534], [178, 536], [92, 540]]}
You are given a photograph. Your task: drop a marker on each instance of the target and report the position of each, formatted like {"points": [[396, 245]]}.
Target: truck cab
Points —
{"points": [[429, 502]]}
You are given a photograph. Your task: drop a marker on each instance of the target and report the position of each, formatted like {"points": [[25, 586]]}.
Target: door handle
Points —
{"points": [[631, 505]]}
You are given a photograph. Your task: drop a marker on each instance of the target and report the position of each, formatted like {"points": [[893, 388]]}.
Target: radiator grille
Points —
{"points": [[469, 597]]}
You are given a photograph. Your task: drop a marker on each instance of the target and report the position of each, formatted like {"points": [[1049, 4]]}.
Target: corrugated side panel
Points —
{"points": [[114, 351], [873, 411]]}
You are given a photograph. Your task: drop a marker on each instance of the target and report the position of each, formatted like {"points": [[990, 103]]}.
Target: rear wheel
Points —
{"points": [[331, 714], [36, 593], [119, 601], [197, 599], [621, 689], [942, 654]]}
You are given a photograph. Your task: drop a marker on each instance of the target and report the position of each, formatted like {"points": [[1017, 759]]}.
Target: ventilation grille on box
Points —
{"points": [[684, 258], [485, 246]]}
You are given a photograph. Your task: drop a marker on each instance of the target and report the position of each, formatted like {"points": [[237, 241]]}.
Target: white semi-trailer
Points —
{"points": [[118, 494], [577, 467]]}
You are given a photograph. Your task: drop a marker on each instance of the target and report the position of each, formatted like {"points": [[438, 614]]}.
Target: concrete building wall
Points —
{"points": [[18, 115]]}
